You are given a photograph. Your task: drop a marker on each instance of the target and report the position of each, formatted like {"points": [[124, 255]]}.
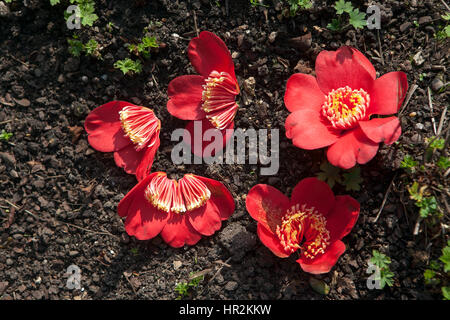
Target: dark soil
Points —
{"points": [[58, 197]]}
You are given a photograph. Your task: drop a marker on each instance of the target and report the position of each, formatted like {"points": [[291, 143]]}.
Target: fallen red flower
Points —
{"points": [[209, 96], [130, 131], [313, 221], [181, 211], [334, 109]]}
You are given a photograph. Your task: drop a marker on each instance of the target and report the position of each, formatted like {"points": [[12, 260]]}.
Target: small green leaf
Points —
{"points": [[446, 293], [319, 286], [443, 162], [5, 136], [330, 174], [352, 179], [445, 257], [380, 260], [335, 25], [54, 2], [357, 19], [342, 6]]}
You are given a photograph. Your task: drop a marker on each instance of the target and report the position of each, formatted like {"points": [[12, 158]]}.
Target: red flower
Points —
{"points": [[313, 221], [182, 211], [335, 108], [210, 96], [131, 132]]}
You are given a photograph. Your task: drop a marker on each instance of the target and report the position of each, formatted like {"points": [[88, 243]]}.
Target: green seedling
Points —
{"points": [[443, 163], [143, 48], [183, 288], [295, 5], [356, 18], [382, 262], [5, 136], [408, 163], [128, 66]]}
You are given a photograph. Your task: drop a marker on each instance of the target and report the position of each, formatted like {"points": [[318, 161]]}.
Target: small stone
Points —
{"points": [[437, 84], [231, 286], [61, 78], [8, 158], [4, 10], [13, 173], [405, 26], [23, 102], [419, 126], [413, 114], [9, 262], [177, 264], [249, 86], [85, 79], [425, 20], [418, 59], [272, 36], [73, 253], [3, 286]]}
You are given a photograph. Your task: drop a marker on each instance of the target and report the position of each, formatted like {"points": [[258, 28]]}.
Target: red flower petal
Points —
{"points": [[128, 158], [195, 138], [344, 67], [145, 165], [309, 130], [220, 197], [303, 92], [352, 147], [387, 93], [266, 205], [185, 97], [386, 130], [342, 217], [104, 128], [125, 203], [206, 219], [178, 231], [207, 53], [313, 193], [143, 220], [271, 241], [325, 262]]}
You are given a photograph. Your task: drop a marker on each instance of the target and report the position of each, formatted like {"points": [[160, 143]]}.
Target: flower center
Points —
{"points": [[218, 99], [344, 107], [140, 125], [302, 222], [169, 195]]}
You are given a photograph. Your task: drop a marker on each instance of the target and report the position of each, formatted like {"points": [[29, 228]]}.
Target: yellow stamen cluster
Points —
{"points": [[169, 195], [302, 222], [344, 107]]}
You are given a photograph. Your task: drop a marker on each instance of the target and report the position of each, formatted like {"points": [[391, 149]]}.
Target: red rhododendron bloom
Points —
{"points": [[210, 96], [313, 221], [131, 132], [336, 108], [181, 211]]}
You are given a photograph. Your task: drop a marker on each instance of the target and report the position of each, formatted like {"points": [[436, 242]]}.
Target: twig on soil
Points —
{"points": [[195, 23], [87, 230], [379, 47], [6, 121], [128, 279], [410, 94], [446, 5], [17, 60], [385, 198], [441, 121], [19, 208], [417, 226], [430, 102]]}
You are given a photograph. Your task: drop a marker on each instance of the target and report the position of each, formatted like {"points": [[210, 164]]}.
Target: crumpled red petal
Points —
{"points": [[325, 262], [104, 128], [303, 92], [178, 231], [185, 97], [313, 193], [353, 147], [221, 197], [195, 139], [208, 52], [344, 67], [267, 205], [386, 130], [343, 216], [387, 93], [206, 219], [128, 158], [271, 241], [146, 162], [309, 130]]}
